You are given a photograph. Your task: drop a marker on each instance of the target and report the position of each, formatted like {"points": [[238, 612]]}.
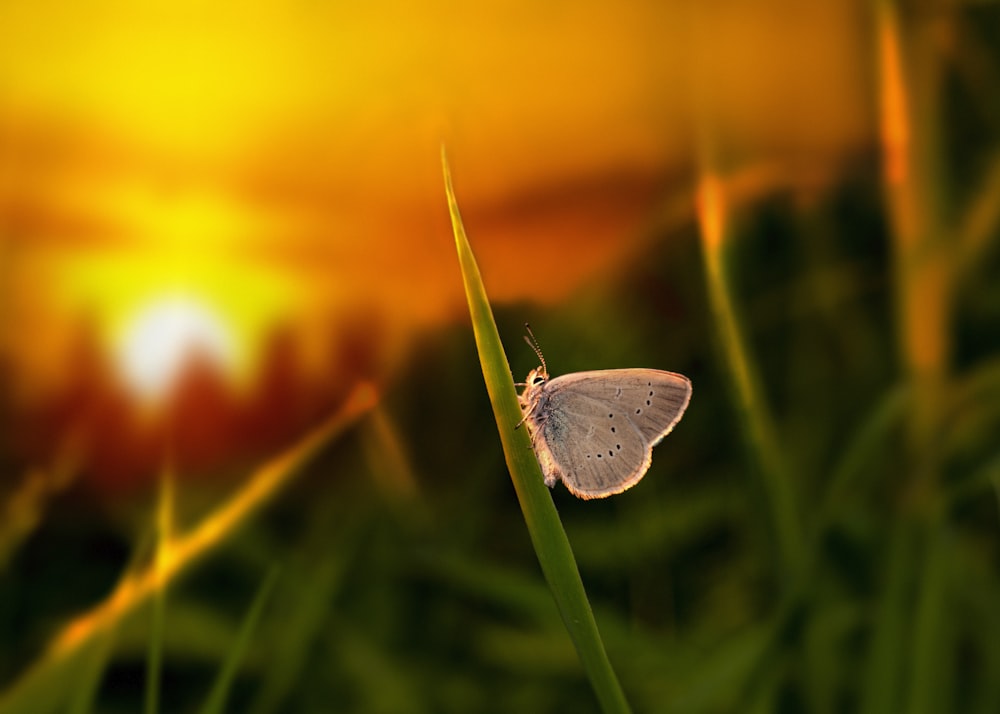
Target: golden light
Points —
{"points": [[179, 277], [250, 186], [166, 335]]}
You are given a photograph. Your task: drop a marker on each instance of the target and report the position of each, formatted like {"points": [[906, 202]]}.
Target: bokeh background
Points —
{"points": [[248, 460]]}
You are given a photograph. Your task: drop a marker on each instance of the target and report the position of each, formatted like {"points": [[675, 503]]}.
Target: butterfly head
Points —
{"points": [[537, 377], [534, 381]]}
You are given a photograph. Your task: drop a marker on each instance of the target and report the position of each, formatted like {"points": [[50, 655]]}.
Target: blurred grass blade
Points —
{"points": [[979, 623], [724, 679], [547, 535], [216, 701], [872, 435], [84, 691], [756, 419], [323, 556], [884, 678], [907, 642], [92, 667], [909, 83], [22, 511], [164, 533], [929, 680], [41, 688], [980, 220]]}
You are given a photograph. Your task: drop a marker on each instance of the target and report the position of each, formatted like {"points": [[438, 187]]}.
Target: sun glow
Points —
{"points": [[164, 336], [173, 276]]}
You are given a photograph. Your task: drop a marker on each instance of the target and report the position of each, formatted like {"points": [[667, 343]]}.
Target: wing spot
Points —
{"points": [[600, 455], [638, 411], [648, 403], [611, 416], [618, 446], [610, 452], [650, 393], [612, 430]]}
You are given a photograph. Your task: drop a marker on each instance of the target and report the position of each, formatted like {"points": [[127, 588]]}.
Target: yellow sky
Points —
{"points": [[280, 160]]}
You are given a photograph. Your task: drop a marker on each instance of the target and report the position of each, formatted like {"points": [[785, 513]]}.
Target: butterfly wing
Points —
{"points": [[598, 428], [593, 458]]}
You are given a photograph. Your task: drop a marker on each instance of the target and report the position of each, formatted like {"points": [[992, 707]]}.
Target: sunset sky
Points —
{"points": [[184, 176]]}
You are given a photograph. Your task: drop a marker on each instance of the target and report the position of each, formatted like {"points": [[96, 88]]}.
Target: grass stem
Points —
{"points": [[544, 527]]}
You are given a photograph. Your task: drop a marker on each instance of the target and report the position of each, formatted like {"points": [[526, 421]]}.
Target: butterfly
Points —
{"points": [[595, 431]]}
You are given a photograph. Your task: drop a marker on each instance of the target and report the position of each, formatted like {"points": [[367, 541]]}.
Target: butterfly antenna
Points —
{"points": [[533, 344]]}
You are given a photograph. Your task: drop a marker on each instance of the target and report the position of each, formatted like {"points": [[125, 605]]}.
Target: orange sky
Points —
{"points": [[278, 162]]}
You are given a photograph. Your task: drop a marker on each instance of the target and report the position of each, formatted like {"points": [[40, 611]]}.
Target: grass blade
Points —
{"points": [[883, 684], [164, 533], [929, 680], [755, 415], [323, 557], [220, 690], [93, 666], [547, 535], [872, 435], [41, 688]]}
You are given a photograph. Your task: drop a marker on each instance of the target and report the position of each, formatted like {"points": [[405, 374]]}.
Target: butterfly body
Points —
{"points": [[595, 430]]}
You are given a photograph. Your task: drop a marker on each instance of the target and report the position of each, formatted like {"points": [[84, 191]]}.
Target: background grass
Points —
{"points": [[845, 558]]}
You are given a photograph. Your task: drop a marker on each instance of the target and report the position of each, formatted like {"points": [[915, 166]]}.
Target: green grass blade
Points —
{"points": [[220, 690], [92, 667], [873, 434], [164, 533], [890, 644], [755, 414], [323, 557], [929, 681], [547, 535], [155, 657], [43, 687], [84, 694]]}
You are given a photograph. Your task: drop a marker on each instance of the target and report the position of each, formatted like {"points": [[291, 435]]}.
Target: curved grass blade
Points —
{"points": [[547, 535]]}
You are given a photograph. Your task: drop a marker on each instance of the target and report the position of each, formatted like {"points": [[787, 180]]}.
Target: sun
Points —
{"points": [[163, 335]]}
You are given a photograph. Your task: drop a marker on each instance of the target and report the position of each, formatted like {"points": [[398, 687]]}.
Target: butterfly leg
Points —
{"points": [[533, 433], [530, 432]]}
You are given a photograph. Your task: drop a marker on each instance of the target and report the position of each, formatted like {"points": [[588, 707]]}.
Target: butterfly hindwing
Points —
{"points": [[593, 456]]}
